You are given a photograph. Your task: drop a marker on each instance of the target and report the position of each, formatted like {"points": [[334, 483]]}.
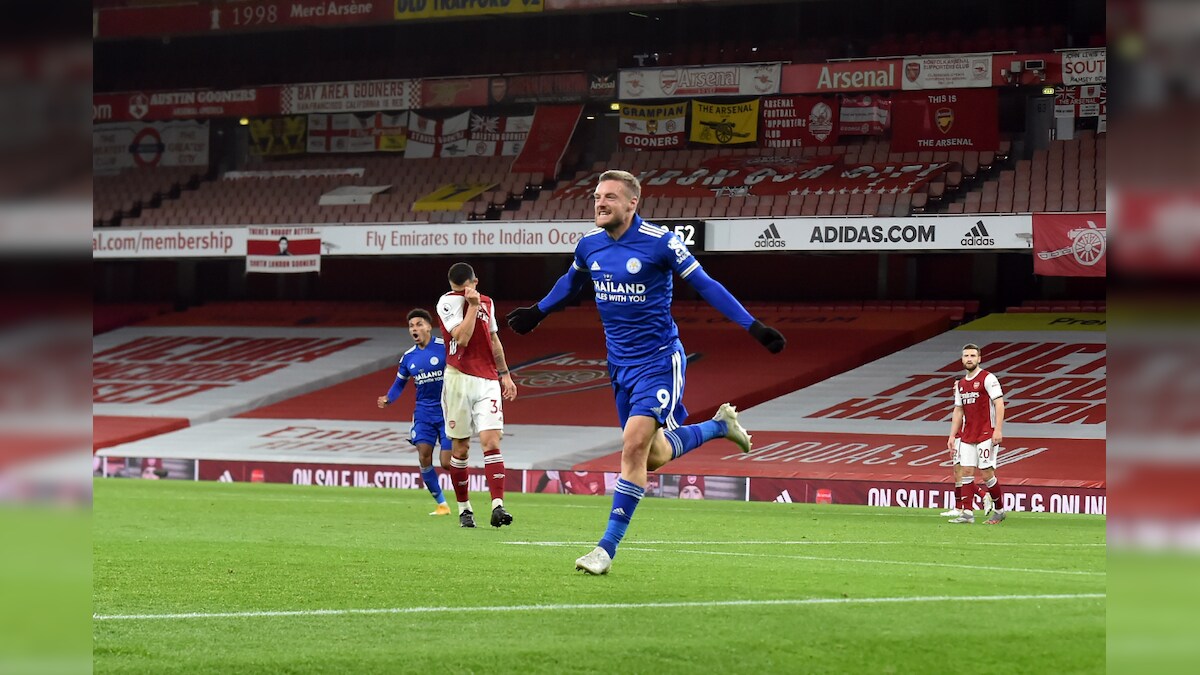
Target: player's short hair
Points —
{"points": [[419, 313], [972, 345], [461, 273], [631, 182]]}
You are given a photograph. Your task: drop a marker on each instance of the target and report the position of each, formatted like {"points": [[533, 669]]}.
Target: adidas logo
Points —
{"points": [[978, 236], [784, 498], [225, 477], [770, 238], [595, 266], [619, 512]]}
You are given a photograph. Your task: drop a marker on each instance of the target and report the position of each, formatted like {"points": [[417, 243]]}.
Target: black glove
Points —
{"points": [[524, 319], [768, 337]]}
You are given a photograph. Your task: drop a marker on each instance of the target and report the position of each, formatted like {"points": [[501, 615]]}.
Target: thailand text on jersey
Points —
{"points": [[632, 279], [977, 395], [425, 367], [476, 358]]}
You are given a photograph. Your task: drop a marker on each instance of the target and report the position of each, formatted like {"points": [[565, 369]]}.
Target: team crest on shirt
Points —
{"points": [[976, 384], [433, 361], [633, 265]]}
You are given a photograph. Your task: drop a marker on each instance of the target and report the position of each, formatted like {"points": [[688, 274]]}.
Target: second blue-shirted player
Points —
{"points": [[630, 264], [424, 364]]}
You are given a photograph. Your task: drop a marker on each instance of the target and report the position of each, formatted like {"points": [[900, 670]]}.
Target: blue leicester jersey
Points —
{"points": [[632, 278], [424, 367]]}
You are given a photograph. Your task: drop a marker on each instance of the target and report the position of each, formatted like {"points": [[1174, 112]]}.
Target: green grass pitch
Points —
{"points": [[251, 578]]}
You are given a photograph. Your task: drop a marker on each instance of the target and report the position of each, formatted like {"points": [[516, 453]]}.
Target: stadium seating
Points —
{"points": [[133, 191]]}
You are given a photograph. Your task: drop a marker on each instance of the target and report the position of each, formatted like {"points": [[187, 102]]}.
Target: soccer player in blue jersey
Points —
{"points": [[424, 363], [629, 263]]}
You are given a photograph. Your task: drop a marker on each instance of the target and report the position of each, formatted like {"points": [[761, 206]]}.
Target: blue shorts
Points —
{"points": [[653, 389], [431, 431]]}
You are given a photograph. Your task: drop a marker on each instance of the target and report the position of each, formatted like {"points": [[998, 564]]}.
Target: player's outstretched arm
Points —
{"points": [[719, 297], [393, 393], [524, 319]]}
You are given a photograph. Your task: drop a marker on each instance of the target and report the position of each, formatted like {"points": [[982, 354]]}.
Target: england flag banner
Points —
{"points": [[283, 250], [492, 135]]}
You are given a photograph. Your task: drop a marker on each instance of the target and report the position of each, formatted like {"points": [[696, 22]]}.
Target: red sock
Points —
{"points": [[967, 501], [460, 479], [997, 496], [493, 465]]}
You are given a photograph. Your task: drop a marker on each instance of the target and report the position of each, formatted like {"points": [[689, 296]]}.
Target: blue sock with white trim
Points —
{"points": [[429, 475], [685, 439], [626, 496]]}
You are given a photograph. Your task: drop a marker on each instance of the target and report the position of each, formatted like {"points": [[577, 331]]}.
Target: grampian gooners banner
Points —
{"points": [[1070, 244], [957, 119], [653, 127]]}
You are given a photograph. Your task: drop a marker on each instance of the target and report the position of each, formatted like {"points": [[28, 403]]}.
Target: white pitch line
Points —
{"points": [[797, 542], [615, 605], [872, 562]]}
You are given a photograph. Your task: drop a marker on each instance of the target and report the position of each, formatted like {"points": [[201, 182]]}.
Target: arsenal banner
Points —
{"points": [[799, 122], [492, 135], [1089, 100], [724, 123], [1085, 66], [437, 138], [756, 176], [116, 147], [960, 119], [653, 127], [947, 72], [1070, 244], [356, 132], [728, 80], [277, 136], [865, 115], [334, 97], [283, 250]]}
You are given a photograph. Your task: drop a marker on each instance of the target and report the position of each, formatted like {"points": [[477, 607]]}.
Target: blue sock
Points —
{"points": [[429, 475], [626, 496], [685, 439]]}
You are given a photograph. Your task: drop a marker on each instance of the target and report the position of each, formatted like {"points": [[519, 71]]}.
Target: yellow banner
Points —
{"points": [[451, 9], [724, 123], [451, 197], [277, 136], [1094, 321], [392, 142]]}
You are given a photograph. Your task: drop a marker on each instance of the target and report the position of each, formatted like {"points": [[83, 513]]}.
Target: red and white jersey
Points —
{"points": [[476, 359], [977, 395]]}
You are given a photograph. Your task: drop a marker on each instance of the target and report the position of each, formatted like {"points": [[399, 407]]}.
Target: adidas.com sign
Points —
{"points": [[770, 238], [978, 236]]}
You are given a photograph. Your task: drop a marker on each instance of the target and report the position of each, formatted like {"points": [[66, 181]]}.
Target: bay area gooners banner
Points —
{"points": [[1070, 244], [954, 233]]}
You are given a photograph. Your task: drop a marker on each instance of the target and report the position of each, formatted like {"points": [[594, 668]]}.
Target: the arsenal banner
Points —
{"points": [[757, 176], [116, 147], [428, 137], [653, 127], [277, 136], [824, 78], [959, 119], [724, 123], [1088, 100], [357, 132], [947, 72], [865, 115], [492, 135], [283, 250], [1070, 244], [799, 121], [334, 97]]}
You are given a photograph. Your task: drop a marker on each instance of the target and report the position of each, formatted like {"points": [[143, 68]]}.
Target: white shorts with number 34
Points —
{"points": [[980, 455], [470, 403]]}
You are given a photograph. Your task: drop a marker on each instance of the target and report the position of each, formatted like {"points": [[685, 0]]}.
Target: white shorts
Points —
{"points": [[471, 404], [978, 455]]}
